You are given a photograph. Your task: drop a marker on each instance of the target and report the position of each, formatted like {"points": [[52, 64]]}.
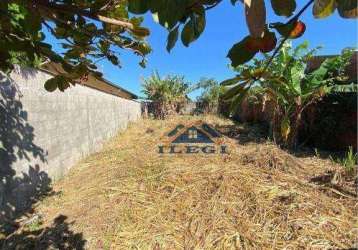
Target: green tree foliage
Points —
{"points": [[187, 19], [211, 92], [171, 88], [286, 86], [87, 30], [168, 94], [91, 30]]}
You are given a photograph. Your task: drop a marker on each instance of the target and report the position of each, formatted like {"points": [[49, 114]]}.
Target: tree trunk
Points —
{"points": [[276, 126], [293, 137]]}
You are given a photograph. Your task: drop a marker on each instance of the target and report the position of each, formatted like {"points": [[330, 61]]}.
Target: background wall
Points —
{"points": [[43, 134]]}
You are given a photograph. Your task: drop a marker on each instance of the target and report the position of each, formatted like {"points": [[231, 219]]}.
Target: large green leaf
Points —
{"points": [[236, 101], [235, 90], [187, 34], [51, 85], [140, 32], [268, 41], [230, 81], [240, 54], [199, 22], [193, 29], [347, 8], [138, 6], [233, 2], [316, 78], [255, 13], [285, 128], [172, 38], [59, 82], [291, 29], [323, 8], [283, 7], [297, 74], [168, 12], [282, 28]]}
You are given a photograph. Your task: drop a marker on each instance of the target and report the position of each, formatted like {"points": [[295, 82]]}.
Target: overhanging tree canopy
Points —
{"points": [[91, 30]]}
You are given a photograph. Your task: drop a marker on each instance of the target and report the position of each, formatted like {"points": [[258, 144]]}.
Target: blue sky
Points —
{"points": [[206, 57]]}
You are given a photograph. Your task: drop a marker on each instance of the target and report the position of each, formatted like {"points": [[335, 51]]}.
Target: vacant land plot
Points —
{"points": [[256, 197]]}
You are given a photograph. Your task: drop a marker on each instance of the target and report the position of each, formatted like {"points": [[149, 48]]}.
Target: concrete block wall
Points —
{"points": [[43, 134]]}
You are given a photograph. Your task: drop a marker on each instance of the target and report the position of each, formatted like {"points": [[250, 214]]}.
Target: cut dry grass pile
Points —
{"points": [[257, 197]]}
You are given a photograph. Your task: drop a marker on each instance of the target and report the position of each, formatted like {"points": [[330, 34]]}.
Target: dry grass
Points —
{"points": [[257, 197]]}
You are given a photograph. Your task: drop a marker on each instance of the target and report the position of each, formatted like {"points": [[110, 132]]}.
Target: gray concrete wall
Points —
{"points": [[43, 134]]}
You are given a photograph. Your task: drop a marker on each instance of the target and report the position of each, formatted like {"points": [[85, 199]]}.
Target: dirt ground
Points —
{"points": [[128, 196]]}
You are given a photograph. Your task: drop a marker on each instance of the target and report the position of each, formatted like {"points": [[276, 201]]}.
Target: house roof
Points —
{"points": [[94, 82]]}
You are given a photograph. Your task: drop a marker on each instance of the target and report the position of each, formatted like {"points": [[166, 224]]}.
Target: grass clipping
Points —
{"points": [[256, 197]]}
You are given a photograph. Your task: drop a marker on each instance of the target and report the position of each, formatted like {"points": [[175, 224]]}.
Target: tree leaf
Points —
{"points": [[172, 38], [59, 82], [200, 22], [138, 6], [323, 8], [268, 42], [230, 81], [285, 128], [168, 12], [187, 34], [235, 90], [236, 101], [282, 28], [347, 8], [91, 27], [255, 12], [240, 53], [60, 32], [194, 27], [297, 72], [113, 59], [291, 29], [298, 30], [63, 84], [51, 85], [283, 7], [140, 32]]}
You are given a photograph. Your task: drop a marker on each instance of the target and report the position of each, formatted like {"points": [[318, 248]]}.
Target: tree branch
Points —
{"points": [[117, 22], [54, 33], [214, 5], [71, 10], [201, 3], [104, 35], [293, 19]]}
